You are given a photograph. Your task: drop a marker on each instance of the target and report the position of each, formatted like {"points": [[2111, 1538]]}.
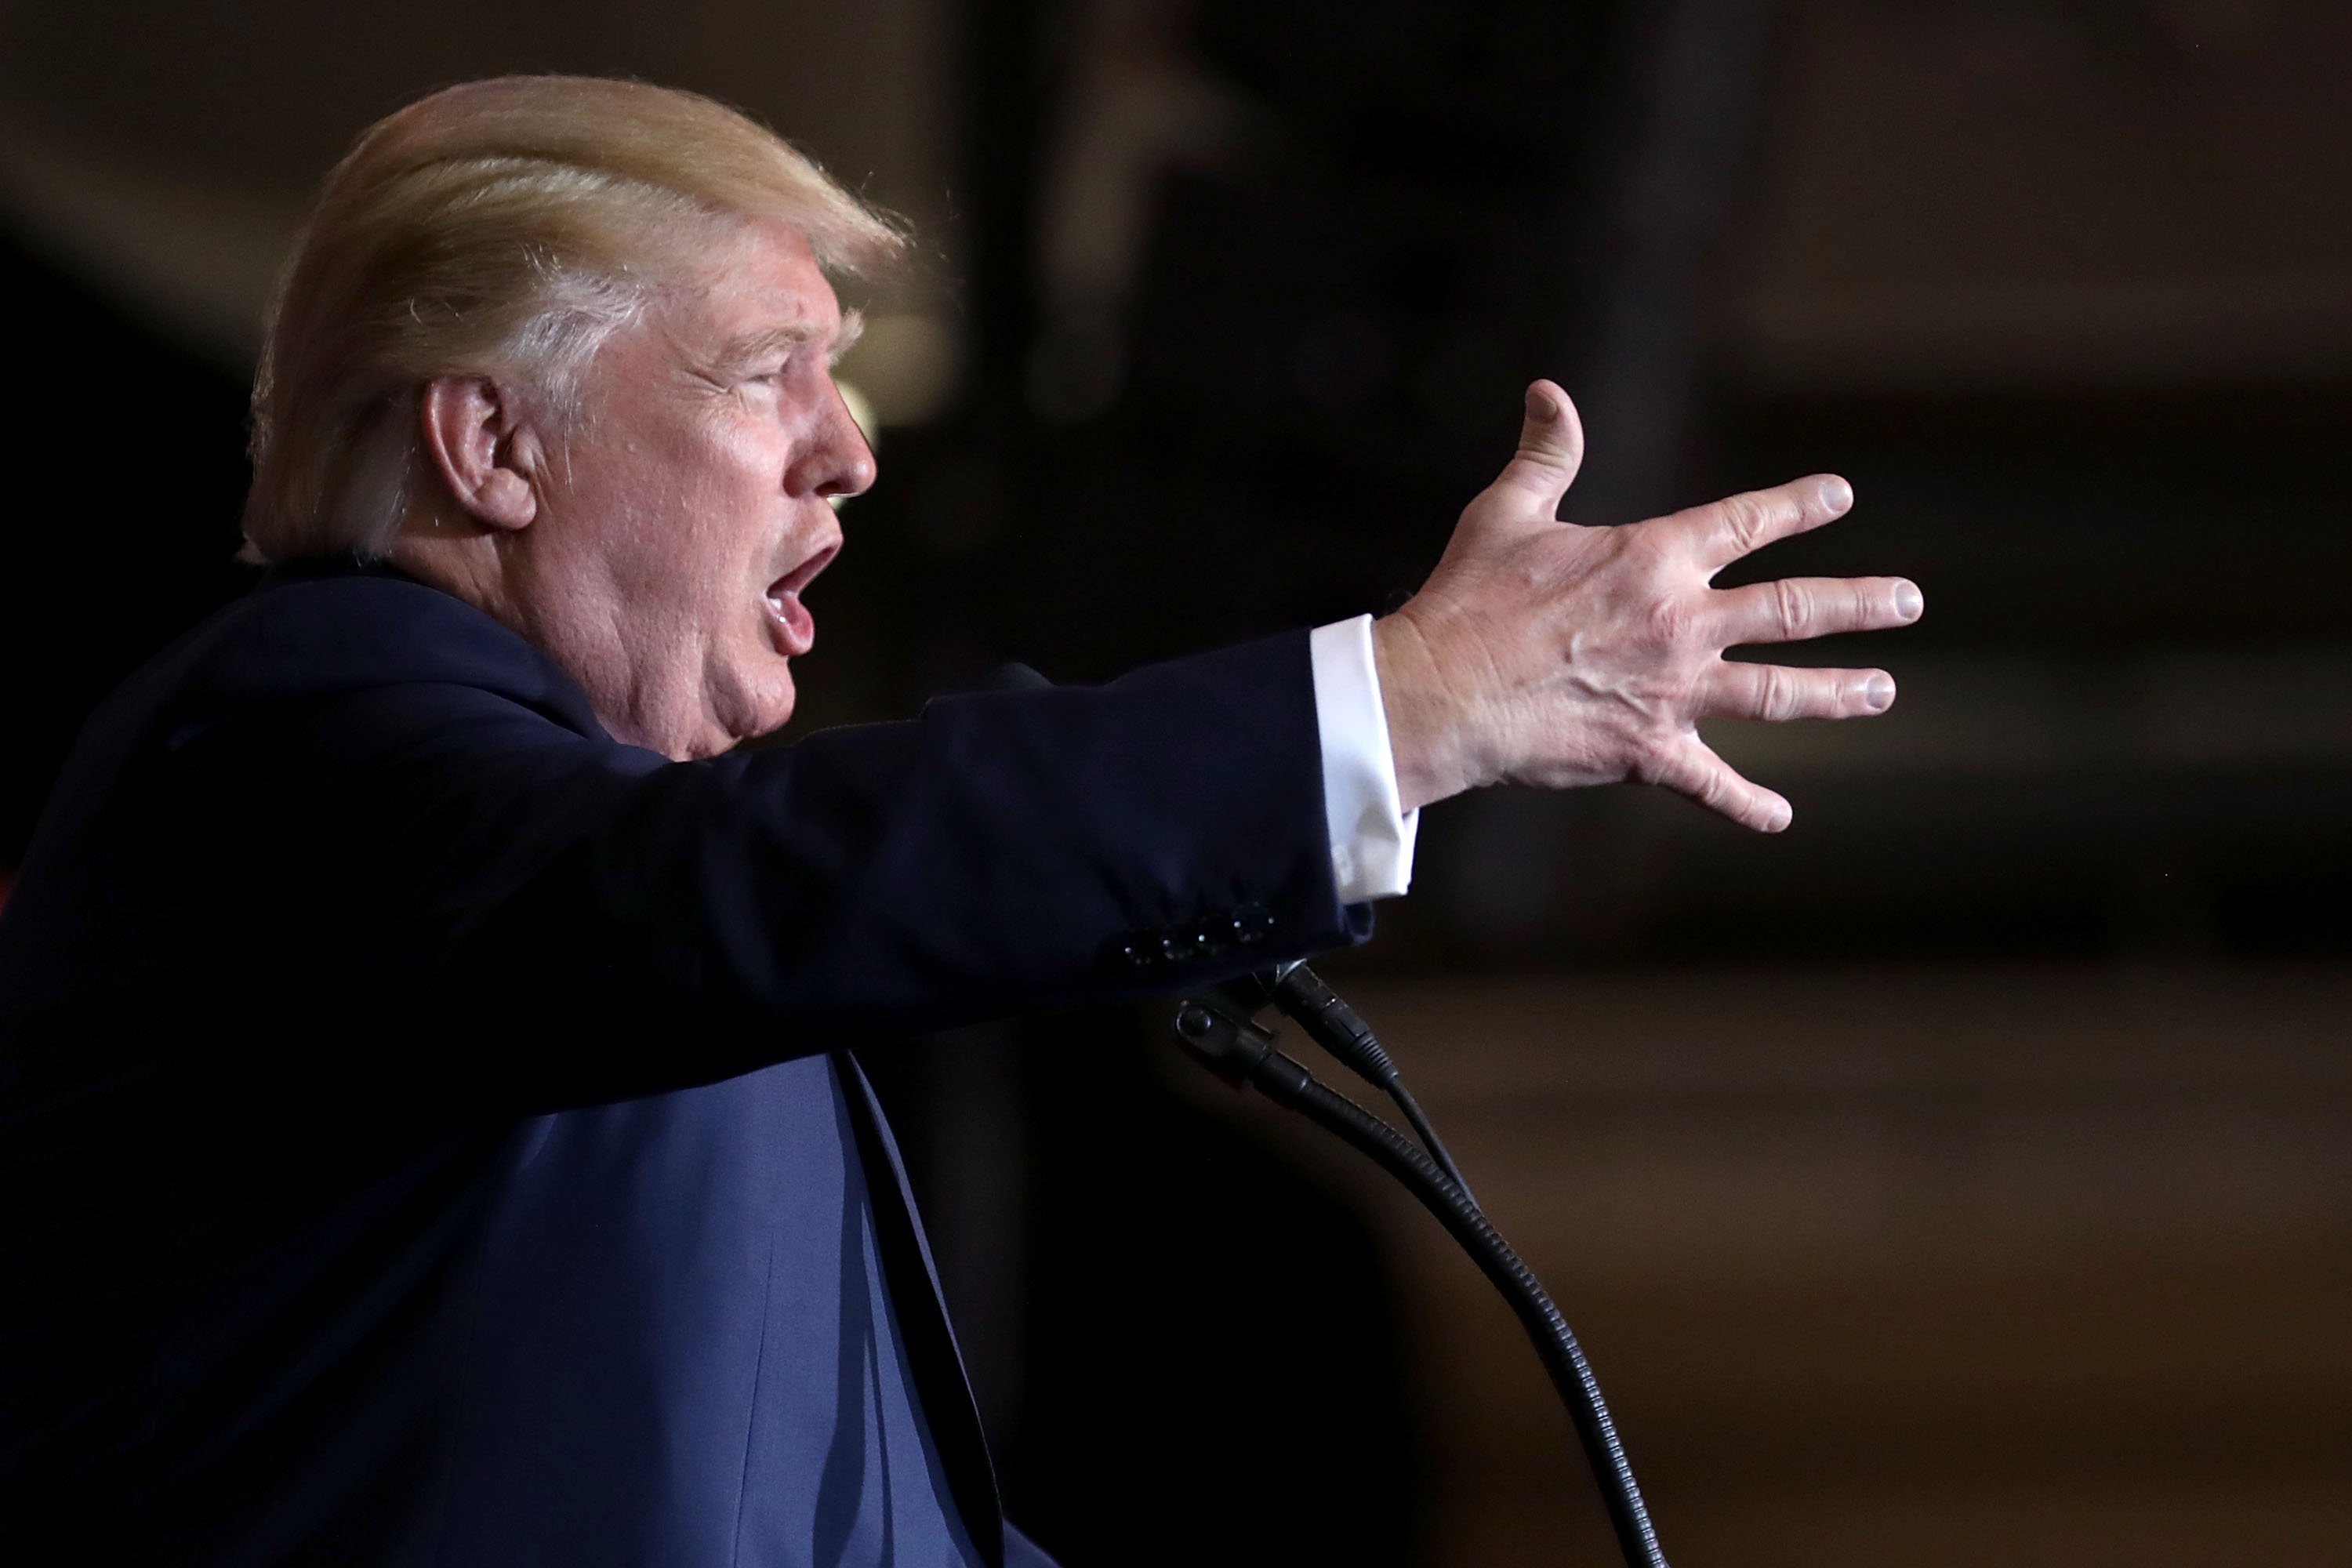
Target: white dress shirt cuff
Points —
{"points": [[1372, 837]]}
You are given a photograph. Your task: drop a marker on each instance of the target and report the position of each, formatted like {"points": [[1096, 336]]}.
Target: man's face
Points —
{"points": [[678, 529]]}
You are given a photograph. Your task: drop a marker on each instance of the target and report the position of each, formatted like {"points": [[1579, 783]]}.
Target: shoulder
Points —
{"points": [[324, 632], [344, 662]]}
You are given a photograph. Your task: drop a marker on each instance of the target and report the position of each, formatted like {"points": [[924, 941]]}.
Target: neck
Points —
{"points": [[466, 561], [564, 617]]}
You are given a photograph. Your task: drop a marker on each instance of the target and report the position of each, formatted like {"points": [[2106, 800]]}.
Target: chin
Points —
{"points": [[758, 706]]}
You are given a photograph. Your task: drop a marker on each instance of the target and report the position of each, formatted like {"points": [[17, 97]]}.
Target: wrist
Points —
{"points": [[1423, 736]]}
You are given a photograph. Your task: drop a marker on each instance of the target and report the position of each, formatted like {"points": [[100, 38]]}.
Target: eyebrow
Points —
{"points": [[749, 348]]}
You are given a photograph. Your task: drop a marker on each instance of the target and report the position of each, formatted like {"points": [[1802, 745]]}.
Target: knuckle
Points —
{"points": [[1777, 698], [1638, 557], [1748, 519], [1657, 582], [1656, 760], [1743, 520], [1794, 608], [1646, 546]]}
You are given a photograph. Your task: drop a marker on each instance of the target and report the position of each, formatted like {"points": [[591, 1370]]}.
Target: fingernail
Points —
{"points": [[1778, 819], [1878, 692], [1907, 602], [1538, 407], [1837, 495]]}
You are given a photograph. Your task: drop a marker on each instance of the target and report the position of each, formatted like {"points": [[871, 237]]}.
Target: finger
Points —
{"points": [[1551, 448], [1733, 527], [1776, 692], [1691, 769], [1795, 608]]}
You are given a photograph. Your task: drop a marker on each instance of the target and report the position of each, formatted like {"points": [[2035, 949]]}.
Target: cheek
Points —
{"points": [[679, 513], [732, 461], [698, 512]]}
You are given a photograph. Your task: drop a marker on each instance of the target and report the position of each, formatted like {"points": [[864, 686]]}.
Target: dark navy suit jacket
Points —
{"points": [[427, 1128]]}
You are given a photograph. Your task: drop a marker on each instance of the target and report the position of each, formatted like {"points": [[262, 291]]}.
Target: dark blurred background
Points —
{"points": [[1965, 1176]]}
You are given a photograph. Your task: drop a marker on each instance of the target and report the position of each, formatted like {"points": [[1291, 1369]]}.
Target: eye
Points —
{"points": [[768, 372]]}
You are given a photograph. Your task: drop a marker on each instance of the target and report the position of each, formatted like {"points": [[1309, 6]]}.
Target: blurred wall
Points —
{"points": [[2054, 197], [168, 149]]}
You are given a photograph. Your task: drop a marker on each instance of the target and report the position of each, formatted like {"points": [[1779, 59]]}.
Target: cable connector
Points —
{"points": [[1230, 1046], [1301, 993]]}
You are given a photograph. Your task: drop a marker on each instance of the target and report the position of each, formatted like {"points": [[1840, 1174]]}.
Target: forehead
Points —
{"points": [[769, 280]]}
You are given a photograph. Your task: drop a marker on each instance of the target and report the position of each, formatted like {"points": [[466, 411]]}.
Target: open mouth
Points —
{"points": [[796, 627]]}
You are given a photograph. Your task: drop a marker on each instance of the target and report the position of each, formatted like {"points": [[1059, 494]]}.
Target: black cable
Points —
{"points": [[1406, 1104], [1340, 1030], [1239, 1052]]}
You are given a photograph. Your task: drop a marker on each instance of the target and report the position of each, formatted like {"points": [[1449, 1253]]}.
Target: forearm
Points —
{"points": [[1003, 851]]}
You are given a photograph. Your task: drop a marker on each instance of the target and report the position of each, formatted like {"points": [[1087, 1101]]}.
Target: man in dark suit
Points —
{"points": [[425, 1131]]}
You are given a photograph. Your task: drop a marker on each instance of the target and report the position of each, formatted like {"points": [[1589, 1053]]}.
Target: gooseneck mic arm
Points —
{"points": [[1217, 1030]]}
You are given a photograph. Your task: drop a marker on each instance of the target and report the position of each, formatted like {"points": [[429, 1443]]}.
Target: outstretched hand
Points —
{"points": [[1541, 652]]}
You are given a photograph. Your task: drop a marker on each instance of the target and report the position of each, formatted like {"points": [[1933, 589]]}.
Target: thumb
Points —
{"points": [[1551, 448]]}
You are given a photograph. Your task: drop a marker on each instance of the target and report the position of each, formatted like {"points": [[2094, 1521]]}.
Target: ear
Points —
{"points": [[486, 454]]}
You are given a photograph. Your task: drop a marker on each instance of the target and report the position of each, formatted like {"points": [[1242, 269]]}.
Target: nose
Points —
{"points": [[839, 461]]}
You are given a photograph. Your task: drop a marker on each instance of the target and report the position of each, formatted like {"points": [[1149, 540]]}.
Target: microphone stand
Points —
{"points": [[1218, 1031]]}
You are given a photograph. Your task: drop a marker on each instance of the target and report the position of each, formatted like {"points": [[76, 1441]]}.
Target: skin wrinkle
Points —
{"points": [[739, 356]]}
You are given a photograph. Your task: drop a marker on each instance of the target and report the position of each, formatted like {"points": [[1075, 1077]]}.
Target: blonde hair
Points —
{"points": [[504, 227]]}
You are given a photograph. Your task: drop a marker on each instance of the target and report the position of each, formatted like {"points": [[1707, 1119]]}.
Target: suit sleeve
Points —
{"points": [[1003, 851]]}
